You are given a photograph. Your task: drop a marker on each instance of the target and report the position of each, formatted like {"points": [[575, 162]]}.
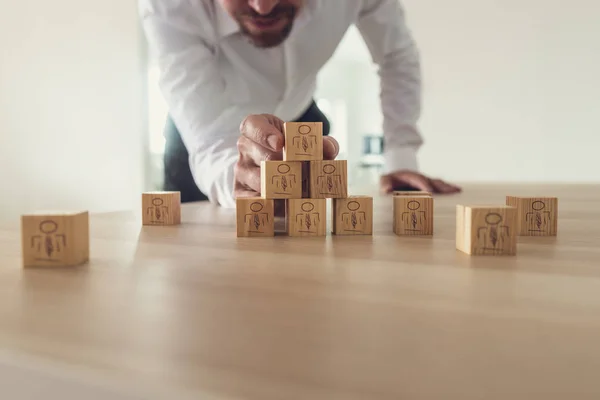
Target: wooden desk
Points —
{"points": [[193, 309]]}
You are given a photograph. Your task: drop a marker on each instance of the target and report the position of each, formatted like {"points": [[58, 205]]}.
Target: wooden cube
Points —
{"points": [[307, 217], [161, 208], [410, 193], [329, 179], [281, 179], [353, 216], [536, 216], [303, 141], [413, 215], [55, 239], [255, 217], [486, 230]]}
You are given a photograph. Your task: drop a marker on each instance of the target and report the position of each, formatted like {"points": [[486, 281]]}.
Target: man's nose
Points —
{"points": [[263, 7]]}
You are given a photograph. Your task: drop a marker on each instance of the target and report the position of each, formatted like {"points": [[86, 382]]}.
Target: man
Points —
{"points": [[233, 70]]}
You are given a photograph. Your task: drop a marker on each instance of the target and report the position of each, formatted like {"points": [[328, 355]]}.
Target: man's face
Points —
{"points": [[267, 23]]}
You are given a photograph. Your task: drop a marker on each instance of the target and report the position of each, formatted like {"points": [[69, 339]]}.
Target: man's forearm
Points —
{"points": [[382, 24], [400, 76], [212, 168], [195, 92]]}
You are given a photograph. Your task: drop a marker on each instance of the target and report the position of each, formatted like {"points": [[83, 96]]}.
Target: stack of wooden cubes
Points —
{"points": [[304, 180]]}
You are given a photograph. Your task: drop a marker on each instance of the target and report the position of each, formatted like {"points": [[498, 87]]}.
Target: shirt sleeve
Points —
{"points": [[196, 94], [383, 26]]}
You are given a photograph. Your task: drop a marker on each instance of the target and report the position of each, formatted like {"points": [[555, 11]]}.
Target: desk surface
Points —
{"points": [[195, 310]]}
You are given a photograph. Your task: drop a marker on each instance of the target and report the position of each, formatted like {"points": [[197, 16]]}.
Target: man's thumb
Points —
{"points": [[260, 130]]}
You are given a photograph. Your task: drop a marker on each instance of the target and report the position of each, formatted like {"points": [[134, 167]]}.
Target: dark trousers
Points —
{"points": [[177, 174]]}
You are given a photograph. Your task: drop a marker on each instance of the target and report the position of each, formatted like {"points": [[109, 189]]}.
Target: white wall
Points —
{"points": [[71, 105], [518, 78]]}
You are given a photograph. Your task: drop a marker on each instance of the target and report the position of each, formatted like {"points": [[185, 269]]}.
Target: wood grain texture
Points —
{"points": [[201, 314], [462, 231], [487, 230], [255, 217], [306, 217], [303, 141], [536, 216], [411, 193], [161, 208], [55, 239], [281, 179], [413, 215], [329, 179], [352, 216]]}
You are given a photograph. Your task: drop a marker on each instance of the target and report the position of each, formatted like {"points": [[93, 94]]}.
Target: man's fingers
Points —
{"points": [[331, 148], [248, 178], [273, 120], [414, 180], [252, 179], [455, 187], [417, 181], [240, 190], [253, 153], [443, 187], [406, 180], [242, 193], [260, 130]]}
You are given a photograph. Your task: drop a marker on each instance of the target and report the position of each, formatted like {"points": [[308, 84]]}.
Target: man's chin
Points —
{"points": [[266, 41], [269, 39]]}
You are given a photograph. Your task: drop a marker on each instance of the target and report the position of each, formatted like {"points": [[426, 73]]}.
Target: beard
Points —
{"points": [[267, 38]]}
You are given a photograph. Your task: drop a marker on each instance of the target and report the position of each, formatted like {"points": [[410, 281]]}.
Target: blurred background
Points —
{"points": [[511, 94]]}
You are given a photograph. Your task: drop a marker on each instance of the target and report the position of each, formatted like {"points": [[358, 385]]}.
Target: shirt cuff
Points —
{"points": [[400, 158]]}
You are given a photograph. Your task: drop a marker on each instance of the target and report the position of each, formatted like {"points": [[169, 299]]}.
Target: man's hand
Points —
{"points": [[262, 139], [407, 180]]}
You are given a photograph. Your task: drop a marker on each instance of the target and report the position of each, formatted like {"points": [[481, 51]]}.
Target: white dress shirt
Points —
{"points": [[212, 77]]}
